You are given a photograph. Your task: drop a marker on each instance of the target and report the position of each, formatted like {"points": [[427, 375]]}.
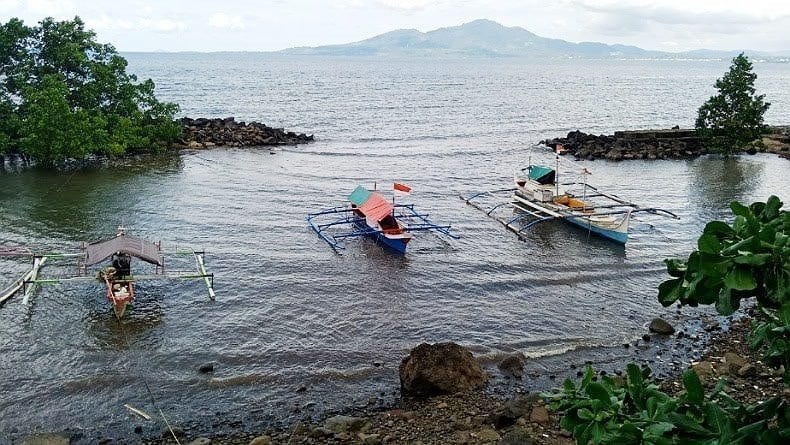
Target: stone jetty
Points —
{"points": [[227, 132], [674, 143]]}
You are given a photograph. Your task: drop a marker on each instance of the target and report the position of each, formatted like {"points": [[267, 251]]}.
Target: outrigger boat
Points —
{"points": [[538, 196], [117, 277], [371, 215]]}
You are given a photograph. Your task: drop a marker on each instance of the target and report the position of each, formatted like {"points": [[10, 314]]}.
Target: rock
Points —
{"points": [[441, 368], [45, 439], [747, 370], [344, 424], [207, 133], [261, 440], [513, 366], [516, 436], [200, 441], [733, 362], [206, 368], [539, 415], [704, 370], [487, 435], [370, 439], [660, 326], [512, 410]]}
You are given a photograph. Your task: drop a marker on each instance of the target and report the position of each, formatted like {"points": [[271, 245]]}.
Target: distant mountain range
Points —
{"points": [[486, 38]]}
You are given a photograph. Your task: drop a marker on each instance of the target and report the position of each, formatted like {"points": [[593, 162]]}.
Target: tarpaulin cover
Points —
{"points": [[100, 251], [373, 205]]}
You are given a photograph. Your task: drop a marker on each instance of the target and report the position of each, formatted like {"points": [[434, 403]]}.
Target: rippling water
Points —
{"points": [[289, 313]]}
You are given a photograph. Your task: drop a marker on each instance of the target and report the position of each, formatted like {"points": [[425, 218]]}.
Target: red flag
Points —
{"points": [[401, 189]]}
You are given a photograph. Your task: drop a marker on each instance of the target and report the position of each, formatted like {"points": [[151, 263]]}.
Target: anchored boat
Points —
{"points": [[117, 276], [538, 196], [369, 214]]}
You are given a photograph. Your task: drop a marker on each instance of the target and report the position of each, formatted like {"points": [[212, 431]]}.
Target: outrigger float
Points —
{"points": [[537, 196], [117, 277], [369, 214]]}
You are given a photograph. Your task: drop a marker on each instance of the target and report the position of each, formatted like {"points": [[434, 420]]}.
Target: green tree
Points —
{"points": [[63, 95], [734, 117]]}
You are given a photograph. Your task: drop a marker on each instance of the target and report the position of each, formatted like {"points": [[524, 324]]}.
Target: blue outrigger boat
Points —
{"points": [[371, 215]]}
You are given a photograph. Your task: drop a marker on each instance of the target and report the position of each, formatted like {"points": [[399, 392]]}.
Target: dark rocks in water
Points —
{"points": [[441, 368], [624, 145], [207, 133], [206, 368], [660, 326], [673, 143]]}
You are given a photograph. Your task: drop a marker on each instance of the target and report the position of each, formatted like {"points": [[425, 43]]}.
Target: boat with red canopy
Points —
{"points": [[371, 215]]}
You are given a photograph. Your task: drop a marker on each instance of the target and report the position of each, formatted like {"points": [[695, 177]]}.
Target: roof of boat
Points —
{"points": [[101, 250], [371, 204]]}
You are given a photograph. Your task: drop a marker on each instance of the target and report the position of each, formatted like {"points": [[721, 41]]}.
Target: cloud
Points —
{"points": [[675, 12], [160, 25], [224, 21]]}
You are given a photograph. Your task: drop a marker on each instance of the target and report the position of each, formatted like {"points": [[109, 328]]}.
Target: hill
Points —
{"points": [[478, 38]]}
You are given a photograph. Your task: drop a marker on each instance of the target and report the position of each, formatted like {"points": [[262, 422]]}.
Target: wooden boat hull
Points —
{"points": [[611, 227], [119, 293], [396, 241]]}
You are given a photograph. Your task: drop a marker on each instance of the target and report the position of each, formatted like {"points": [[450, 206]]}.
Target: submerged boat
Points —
{"points": [[118, 276], [538, 196], [370, 215]]}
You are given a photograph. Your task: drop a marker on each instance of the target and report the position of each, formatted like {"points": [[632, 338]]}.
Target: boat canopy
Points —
{"points": [[541, 174], [371, 204], [101, 250]]}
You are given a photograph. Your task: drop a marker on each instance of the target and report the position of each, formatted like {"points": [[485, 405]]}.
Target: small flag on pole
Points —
{"points": [[401, 189]]}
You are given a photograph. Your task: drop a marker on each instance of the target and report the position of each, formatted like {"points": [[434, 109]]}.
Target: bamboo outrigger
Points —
{"points": [[117, 277]]}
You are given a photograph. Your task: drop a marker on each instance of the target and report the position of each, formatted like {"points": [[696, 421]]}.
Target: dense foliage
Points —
{"points": [[635, 411], [63, 95], [734, 117], [751, 258]]}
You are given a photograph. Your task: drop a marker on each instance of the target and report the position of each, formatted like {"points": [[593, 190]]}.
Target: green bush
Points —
{"points": [[636, 411], [750, 258]]}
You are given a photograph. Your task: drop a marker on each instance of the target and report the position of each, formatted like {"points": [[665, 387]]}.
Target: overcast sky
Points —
{"points": [[249, 25]]}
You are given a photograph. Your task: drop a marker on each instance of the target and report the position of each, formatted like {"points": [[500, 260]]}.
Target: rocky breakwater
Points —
{"points": [[674, 143], [226, 132], [624, 145]]}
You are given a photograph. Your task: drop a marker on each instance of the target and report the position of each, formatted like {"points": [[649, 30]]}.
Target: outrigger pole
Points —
{"points": [[208, 278]]}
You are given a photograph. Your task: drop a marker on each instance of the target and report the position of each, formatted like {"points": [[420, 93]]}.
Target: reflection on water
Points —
{"points": [[721, 180]]}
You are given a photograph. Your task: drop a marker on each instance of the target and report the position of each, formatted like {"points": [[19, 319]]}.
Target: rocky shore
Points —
{"points": [[675, 143], [522, 417], [226, 132]]}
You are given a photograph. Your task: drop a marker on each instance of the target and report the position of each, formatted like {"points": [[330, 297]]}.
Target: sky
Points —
{"points": [[271, 25]]}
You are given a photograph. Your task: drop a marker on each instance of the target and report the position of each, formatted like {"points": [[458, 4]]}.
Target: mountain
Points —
{"points": [[486, 38], [477, 38]]}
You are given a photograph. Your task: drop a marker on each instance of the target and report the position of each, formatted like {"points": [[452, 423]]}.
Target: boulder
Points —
{"points": [[441, 368], [513, 366], [660, 326]]}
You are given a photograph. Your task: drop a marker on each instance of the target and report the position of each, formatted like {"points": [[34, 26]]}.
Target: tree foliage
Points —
{"points": [[734, 117], [63, 95]]}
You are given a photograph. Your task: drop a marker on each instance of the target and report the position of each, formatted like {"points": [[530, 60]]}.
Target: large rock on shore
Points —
{"points": [[206, 133], [441, 368]]}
